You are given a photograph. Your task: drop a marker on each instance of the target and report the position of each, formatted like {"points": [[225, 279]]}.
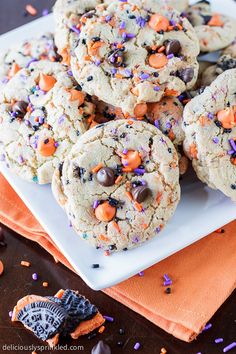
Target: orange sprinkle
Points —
{"points": [[106, 253], [130, 122], [45, 284], [216, 21], [119, 45], [170, 92], [116, 226], [179, 26], [14, 69], [138, 206], [1, 268], [127, 169], [193, 151], [159, 197], [129, 195], [119, 178], [161, 49], [101, 329], [97, 168], [25, 263], [170, 28], [87, 58], [220, 231], [103, 238], [145, 226], [119, 76], [31, 10], [163, 351], [186, 100], [60, 293]]}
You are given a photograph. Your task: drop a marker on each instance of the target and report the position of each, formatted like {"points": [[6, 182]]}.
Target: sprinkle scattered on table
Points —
{"points": [[25, 264], [31, 10]]}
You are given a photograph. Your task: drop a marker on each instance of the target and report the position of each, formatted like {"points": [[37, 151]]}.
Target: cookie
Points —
{"points": [[42, 115], [225, 62], [210, 127], [214, 31], [128, 56], [24, 53], [67, 18], [119, 184], [231, 49]]}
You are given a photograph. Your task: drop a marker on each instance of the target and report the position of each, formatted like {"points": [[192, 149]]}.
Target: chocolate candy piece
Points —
{"points": [[101, 348], [173, 47], [186, 75], [106, 177], [44, 319], [20, 108], [140, 193], [2, 238]]}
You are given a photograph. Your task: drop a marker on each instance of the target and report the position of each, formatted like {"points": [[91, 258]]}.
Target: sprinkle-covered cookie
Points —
{"points": [[67, 16], [42, 114], [128, 55], [215, 31], [23, 54], [119, 185], [210, 127]]}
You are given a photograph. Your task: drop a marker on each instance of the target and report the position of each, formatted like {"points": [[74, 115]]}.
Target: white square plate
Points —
{"points": [[200, 211]]}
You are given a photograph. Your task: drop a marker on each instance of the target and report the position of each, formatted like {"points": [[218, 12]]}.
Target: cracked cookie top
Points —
{"points": [[42, 114], [119, 185], [214, 31], [24, 53], [128, 55], [210, 130]]}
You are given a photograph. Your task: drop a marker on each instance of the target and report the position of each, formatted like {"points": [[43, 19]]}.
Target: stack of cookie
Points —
{"points": [[99, 113]]}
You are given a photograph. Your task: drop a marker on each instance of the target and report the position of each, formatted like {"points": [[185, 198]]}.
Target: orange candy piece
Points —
{"points": [[76, 95], [158, 60], [140, 110], [46, 82], [216, 21], [131, 159], [227, 117], [1, 268], [159, 23], [46, 147], [105, 212]]}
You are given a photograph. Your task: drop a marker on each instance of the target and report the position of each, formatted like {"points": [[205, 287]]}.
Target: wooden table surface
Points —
{"points": [[17, 282]]}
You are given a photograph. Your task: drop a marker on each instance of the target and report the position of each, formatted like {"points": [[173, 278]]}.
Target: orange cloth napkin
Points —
{"points": [[204, 274]]}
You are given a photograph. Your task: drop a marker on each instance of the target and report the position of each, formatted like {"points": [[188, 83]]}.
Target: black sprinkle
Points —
{"points": [[90, 78], [95, 266], [91, 336], [168, 291]]}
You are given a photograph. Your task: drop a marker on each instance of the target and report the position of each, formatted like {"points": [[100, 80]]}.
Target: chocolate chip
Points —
{"points": [[20, 108], [140, 193], [186, 75], [173, 47], [106, 177], [101, 348]]}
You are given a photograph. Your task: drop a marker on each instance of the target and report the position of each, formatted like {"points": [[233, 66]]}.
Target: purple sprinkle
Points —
{"points": [[144, 76], [13, 114], [219, 340], [97, 62], [41, 120], [229, 347], [139, 171], [95, 204], [45, 12], [130, 35], [141, 22], [128, 72], [170, 56], [31, 61], [125, 151], [157, 123], [232, 143], [167, 282], [20, 159], [158, 229], [113, 71], [210, 115], [136, 239], [137, 346], [5, 80], [122, 25], [144, 183], [208, 326], [215, 140], [108, 18], [75, 29], [168, 125], [69, 72], [10, 314], [56, 144], [141, 274], [166, 277], [172, 23], [35, 276], [156, 88], [108, 318], [124, 35], [61, 119], [126, 164]]}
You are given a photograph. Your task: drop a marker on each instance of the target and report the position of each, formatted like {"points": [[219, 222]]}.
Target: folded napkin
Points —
{"points": [[203, 274]]}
